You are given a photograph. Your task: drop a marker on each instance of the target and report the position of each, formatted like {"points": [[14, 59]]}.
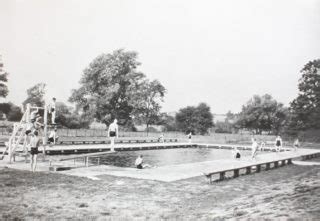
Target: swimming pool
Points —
{"points": [[167, 156]]}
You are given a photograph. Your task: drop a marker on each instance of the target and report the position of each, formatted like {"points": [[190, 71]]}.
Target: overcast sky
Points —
{"points": [[218, 52]]}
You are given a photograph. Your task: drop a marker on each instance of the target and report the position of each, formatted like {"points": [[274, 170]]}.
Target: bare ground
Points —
{"points": [[291, 192]]}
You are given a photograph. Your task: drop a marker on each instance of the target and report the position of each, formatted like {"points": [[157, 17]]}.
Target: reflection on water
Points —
{"points": [[164, 157]]}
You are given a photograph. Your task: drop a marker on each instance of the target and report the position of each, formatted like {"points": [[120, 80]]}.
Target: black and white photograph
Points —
{"points": [[160, 110]]}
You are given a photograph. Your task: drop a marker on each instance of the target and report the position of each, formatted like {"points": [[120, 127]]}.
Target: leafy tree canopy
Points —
{"points": [[4, 91], [112, 87], [147, 102], [69, 118], [12, 111], [262, 113], [195, 119], [35, 95], [305, 109]]}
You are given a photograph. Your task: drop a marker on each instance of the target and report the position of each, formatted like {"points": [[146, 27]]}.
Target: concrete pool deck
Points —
{"points": [[172, 173], [168, 173]]}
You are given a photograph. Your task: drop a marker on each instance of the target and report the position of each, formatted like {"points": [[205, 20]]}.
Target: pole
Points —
{"points": [[45, 122], [27, 117]]}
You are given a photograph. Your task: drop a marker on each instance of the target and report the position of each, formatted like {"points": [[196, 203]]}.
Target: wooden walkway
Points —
{"points": [[81, 149], [84, 140]]}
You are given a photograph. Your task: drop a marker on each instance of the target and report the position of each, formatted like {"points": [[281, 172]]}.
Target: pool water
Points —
{"points": [[164, 157]]}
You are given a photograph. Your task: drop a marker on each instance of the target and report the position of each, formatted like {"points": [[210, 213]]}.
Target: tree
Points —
{"points": [[69, 118], [35, 95], [107, 87], [195, 119], [146, 102], [15, 113], [305, 109], [223, 127], [3, 79], [12, 112], [226, 126], [5, 108], [168, 122], [262, 114]]}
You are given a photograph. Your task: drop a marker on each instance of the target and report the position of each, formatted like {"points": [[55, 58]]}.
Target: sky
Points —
{"points": [[217, 52]]}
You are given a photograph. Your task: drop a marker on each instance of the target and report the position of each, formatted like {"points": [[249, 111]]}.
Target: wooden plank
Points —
{"points": [[267, 166], [222, 175], [258, 168], [85, 155], [236, 173]]}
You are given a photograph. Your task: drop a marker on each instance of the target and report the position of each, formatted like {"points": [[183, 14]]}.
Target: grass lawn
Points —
{"points": [[287, 192]]}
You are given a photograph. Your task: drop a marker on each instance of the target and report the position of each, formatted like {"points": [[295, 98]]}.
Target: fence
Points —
{"points": [[215, 137], [5, 131], [212, 138]]}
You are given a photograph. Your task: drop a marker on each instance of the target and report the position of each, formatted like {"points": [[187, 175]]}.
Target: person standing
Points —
{"points": [[34, 144], [52, 110], [254, 148], [113, 132], [296, 144], [278, 144], [190, 137]]}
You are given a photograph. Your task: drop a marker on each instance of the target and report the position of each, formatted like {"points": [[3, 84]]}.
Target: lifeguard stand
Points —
{"points": [[17, 138]]}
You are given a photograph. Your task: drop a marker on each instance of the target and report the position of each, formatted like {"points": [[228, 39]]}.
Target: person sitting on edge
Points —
{"points": [[52, 139], [296, 144], [278, 144], [236, 153], [34, 144], [113, 132], [139, 163]]}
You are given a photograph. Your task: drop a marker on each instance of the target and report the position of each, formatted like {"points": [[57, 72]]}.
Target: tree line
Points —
{"points": [[113, 87], [264, 114]]}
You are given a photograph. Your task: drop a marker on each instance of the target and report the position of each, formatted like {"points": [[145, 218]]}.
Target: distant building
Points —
{"points": [[143, 127], [172, 113], [219, 118]]}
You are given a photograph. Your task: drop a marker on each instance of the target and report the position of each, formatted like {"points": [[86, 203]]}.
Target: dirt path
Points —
{"points": [[288, 192]]}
